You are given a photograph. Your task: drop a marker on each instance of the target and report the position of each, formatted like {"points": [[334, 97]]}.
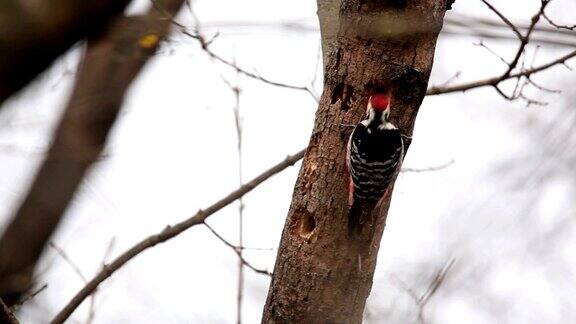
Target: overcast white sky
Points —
{"points": [[173, 151]]}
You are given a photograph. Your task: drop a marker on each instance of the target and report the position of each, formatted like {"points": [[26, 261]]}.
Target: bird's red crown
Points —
{"points": [[380, 101]]}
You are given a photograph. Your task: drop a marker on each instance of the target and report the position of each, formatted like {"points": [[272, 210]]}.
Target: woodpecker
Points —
{"points": [[375, 152]]}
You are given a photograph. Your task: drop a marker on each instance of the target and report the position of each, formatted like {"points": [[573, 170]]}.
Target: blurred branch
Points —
{"points": [[428, 169], [422, 300], [436, 282], [6, 315], [170, 232], [35, 33], [241, 262], [92, 309], [65, 257], [30, 296], [111, 63], [454, 25], [78, 272], [238, 250]]}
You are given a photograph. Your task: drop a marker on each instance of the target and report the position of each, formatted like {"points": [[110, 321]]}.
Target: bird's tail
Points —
{"points": [[358, 213]]}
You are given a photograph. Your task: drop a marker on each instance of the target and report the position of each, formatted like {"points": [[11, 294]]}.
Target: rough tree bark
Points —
{"points": [[35, 32], [322, 274], [111, 63]]}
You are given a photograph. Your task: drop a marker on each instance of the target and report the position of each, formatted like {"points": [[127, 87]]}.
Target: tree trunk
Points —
{"points": [[322, 274]]}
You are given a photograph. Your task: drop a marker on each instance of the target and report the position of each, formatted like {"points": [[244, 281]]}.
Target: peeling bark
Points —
{"points": [[322, 274]]}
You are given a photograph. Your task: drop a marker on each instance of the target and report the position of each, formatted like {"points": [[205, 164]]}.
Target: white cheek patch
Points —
{"points": [[384, 123], [387, 126], [371, 115]]}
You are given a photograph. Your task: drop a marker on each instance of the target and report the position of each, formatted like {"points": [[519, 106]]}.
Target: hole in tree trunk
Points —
{"points": [[306, 224]]}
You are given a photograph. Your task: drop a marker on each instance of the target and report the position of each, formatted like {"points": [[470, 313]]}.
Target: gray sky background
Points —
{"points": [[173, 151]]}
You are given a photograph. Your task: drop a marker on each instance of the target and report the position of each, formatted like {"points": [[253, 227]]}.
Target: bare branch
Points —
{"points": [[472, 22], [496, 80], [481, 43], [523, 75], [525, 39], [567, 27], [433, 287], [168, 233], [504, 19], [545, 40], [237, 250], [541, 87], [205, 45], [206, 48]]}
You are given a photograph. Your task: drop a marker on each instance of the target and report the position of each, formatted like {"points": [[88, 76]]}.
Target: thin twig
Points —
{"points": [[30, 296], [237, 250], [67, 259], [567, 27], [92, 309], [205, 45], [471, 22], [63, 255], [523, 76], [238, 123], [504, 19], [428, 169], [525, 39], [481, 43], [451, 79], [544, 40], [168, 233]]}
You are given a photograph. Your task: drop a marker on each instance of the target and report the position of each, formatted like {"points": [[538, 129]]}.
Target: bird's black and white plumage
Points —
{"points": [[375, 151]]}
